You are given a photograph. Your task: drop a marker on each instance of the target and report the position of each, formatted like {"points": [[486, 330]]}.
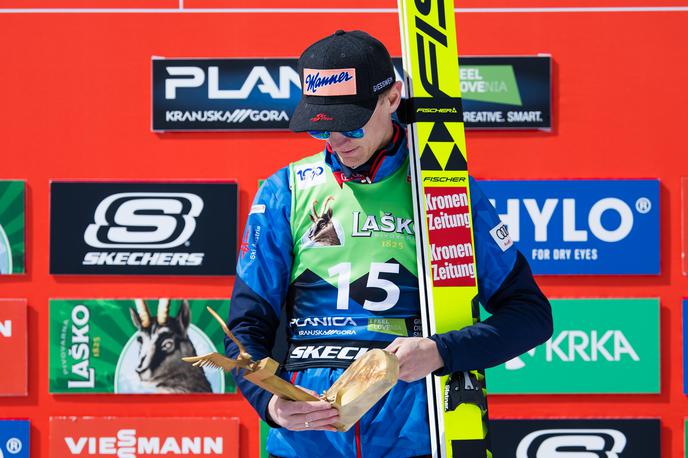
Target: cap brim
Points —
{"points": [[331, 117]]}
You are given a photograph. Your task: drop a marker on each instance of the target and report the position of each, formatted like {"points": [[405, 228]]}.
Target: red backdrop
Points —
{"points": [[76, 96]]}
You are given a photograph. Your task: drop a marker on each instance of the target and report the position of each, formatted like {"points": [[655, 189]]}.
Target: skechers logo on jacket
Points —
{"points": [[334, 352]]}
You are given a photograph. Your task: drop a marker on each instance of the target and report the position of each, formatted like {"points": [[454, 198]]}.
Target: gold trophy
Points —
{"points": [[364, 383]]}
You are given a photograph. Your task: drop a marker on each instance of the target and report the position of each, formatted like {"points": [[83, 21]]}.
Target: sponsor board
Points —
{"points": [[598, 346], [139, 437], [129, 346], [582, 227], [507, 92], [12, 240], [13, 347], [609, 438], [14, 438], [138, 228], [245, 94]]}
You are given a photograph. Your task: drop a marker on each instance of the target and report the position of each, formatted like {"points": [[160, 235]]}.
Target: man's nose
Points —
{"points": [[337, 140]]}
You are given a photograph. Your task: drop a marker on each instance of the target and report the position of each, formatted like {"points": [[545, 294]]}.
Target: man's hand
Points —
{"points": [[418, 357], [303, 415]]}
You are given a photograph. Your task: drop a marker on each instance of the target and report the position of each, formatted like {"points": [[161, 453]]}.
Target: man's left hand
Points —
{"points": [[418, 357]]}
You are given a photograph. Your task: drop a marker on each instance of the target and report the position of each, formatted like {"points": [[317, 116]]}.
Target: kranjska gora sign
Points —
{"points": [[246, 94]]}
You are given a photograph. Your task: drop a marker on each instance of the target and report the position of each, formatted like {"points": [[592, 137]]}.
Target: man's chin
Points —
{"points": [[350, 158]]}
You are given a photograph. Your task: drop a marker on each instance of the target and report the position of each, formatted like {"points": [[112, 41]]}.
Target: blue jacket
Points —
{"points": [[397, 426]]}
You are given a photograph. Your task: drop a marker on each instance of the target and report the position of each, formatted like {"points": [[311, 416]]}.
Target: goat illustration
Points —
{"points": [[162, 345], [323, 232]]}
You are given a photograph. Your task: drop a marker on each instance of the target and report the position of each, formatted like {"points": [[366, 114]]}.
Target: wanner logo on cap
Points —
{"points": [[339, 81]]}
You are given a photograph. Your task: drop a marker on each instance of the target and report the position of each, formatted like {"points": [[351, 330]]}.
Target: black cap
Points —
{"points": [[341, 77]]}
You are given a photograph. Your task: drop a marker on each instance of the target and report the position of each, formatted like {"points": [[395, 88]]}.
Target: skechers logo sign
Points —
{"points": [[144, 220], [6, 328], [571, 443], [542, 215], [258, 77], [387, 223], [327, 352]]}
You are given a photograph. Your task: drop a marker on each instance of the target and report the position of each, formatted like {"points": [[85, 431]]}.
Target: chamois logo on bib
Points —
{"points": [[325, 231]]}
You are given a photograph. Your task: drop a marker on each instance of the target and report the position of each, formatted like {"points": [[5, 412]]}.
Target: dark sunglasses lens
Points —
{"points": [[319, 134], [357, 133]]}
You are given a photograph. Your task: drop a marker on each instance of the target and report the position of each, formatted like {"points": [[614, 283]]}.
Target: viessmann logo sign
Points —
{"points": [[139, 437], [143, 228], [607, 438], [598, 346], [582, 226], [244, 94]]}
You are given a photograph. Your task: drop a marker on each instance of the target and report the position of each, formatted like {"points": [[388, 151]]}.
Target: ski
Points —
{"points": [[457, 404]]}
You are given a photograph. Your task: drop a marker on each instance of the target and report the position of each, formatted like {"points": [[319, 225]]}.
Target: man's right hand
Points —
{"points": [[303, 415]]}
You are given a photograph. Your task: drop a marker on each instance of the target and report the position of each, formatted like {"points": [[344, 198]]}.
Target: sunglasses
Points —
{"points": [[325, 134]]}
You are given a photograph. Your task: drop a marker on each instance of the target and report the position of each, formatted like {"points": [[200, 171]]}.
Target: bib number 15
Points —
{"points": [[343, 273]]}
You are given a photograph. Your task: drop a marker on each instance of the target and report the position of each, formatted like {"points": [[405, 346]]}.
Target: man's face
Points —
{"points": [[353, 152]]}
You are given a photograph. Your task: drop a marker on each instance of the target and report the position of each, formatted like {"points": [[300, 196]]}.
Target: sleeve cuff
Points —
{"points": [[444, 354]]}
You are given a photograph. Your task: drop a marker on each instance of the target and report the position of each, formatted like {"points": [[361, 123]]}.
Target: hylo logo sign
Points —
{"points": [[541, 217]]}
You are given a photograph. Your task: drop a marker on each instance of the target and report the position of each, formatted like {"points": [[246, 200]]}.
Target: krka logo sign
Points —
{"points": [[598, 346]]}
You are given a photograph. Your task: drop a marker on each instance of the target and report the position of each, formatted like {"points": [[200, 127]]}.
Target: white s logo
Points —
{"points": [[144, 220], [547, 443]]}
